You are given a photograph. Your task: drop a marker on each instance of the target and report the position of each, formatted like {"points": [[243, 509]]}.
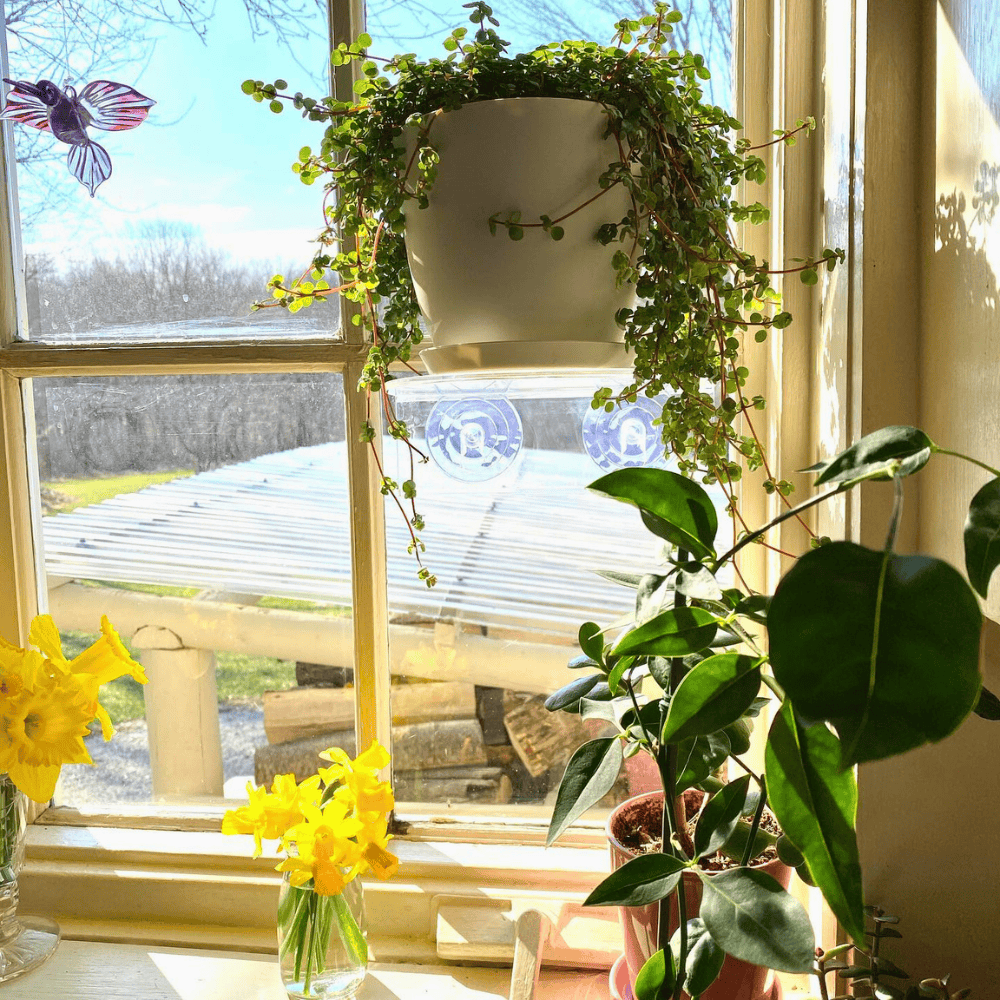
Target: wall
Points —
{"points": [[928, 823]]}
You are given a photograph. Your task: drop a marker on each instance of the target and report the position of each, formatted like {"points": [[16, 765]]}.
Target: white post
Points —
{"points": [[182, 715]]}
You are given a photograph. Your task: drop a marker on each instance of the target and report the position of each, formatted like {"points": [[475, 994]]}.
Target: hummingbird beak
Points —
{"points": [[26, 88]]}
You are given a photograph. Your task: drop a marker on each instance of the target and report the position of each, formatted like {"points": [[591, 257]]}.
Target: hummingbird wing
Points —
{"points": [[89, 164], [114, 107], [25, 108]]}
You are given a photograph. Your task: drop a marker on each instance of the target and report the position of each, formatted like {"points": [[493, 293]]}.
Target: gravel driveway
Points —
{"points": [[122, 772]]}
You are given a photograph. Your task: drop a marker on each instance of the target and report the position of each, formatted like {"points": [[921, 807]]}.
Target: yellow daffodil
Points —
{"points": [[375, 837], [358, 779], [268, 816]]}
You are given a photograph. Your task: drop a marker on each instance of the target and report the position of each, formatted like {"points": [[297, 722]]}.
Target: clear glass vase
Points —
{"points": [[322, 941], [25, 942]]}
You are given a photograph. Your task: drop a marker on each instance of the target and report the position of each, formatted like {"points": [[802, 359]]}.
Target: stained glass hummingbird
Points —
{"points": [[102, 104]]}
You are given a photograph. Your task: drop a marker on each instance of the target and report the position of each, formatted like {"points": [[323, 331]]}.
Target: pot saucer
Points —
{"points": [[621, 989]]}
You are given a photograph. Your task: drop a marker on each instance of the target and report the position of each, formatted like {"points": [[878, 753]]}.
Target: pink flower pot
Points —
{"points": [[738, 980]]}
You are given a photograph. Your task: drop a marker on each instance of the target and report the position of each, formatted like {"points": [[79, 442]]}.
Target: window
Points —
{"points": [[128, 361]]}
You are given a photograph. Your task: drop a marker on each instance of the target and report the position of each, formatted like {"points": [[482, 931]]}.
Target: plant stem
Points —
{"points": [[755, 825], [967, 458]]}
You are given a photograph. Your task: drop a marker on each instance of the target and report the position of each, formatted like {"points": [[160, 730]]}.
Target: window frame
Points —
{"points": [[114, 849]]}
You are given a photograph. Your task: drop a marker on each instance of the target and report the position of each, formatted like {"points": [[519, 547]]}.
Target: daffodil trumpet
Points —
{"points": [[331, 827]]}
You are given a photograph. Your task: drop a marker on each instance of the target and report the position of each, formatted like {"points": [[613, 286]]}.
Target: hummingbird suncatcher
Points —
{"points": [[102, 104]]}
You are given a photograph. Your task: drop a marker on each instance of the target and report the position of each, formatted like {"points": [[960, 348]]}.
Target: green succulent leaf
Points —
{"points": [[815, 803], [642, 880], [982, 537], [589, 776], [753, 918], [891, 451], [682, 512], [591, 640], [714, 694], [704, 958], [656, 978], [884, 647], [719, 817], [675, 632], [571, 693]]}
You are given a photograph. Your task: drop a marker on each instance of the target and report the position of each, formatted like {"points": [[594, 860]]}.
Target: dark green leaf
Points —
{"points": [[755, 608], [719, 817], [876, 453], [698, 757], [656, 978], [591, 640], [675, 632], [651, 595], [659, 668], [697, 582], [788, 853], [704, 958], [642, 880], [683, 512], [583, 661], [571, 693], [630, 580], [982, 537], [815, 803], [712, 695], [752, 917], [589, 776], [735, 847], [921, 680], [738, 734], [618, 671], [988, 706], [887, 968]]}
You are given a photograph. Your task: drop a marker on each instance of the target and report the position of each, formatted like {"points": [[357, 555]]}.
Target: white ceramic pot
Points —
{"points": [[495, 304]]}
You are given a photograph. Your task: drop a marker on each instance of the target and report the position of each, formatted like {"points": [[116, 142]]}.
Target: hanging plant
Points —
{"points": [[698, 293]]}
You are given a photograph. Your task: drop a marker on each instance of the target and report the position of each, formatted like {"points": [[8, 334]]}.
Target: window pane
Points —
{"points": [[516, 542], [208, 518], [201, 207]]}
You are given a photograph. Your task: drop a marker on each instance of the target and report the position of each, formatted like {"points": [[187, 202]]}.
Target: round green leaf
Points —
{"points": [[589, 776], [750, 916], [876, 453], [681, 511], [642, 880], [656, 978], [712, 695], [982, 536], [884, 647], [704, 957], [675, 632], [815, 803]]}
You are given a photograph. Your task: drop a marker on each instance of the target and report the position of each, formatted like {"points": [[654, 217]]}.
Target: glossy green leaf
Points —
{"points": [[755, 608], [712, 695], [583, 661], [914, 685], [752, 917], [571, 693], [876, 454], [738, 734], [652, 596], [697, 582], [682, 512], [591, 640], [704, 957], [982, 536], [675, 632], [656, 978], [642, 880], [735, 847], [815, 803], [719, 817], [988, 706], [589, 776], [698, 757]]}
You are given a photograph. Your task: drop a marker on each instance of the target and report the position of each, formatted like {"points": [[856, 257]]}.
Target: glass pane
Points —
{"points": [[516, 542], [200, 207], [208, 518]]}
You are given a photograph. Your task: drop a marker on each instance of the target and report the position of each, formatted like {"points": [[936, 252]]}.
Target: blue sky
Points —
{"points": [[210, 157]]}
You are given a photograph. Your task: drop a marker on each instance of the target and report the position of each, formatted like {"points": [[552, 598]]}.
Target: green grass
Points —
{"points": [[87, 491], [240, 679]]}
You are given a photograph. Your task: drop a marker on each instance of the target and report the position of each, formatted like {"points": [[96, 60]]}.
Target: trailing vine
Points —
{"points": [[699, 295]]}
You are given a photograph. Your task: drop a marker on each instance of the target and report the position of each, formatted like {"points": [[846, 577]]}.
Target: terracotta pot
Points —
{"points": [[738, 980], [495, 304]]}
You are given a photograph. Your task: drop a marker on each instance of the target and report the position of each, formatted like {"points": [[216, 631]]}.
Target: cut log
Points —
{"points": [[422, 746], [446, 784], [302, 712], [543, 739], [322, 675]]}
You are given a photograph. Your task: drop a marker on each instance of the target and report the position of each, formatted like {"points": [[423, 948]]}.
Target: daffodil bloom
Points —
{"points": [[268, 816], [358, 779]]}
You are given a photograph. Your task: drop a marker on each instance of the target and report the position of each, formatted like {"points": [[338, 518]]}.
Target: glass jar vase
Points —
{"points": [[322, 944]]}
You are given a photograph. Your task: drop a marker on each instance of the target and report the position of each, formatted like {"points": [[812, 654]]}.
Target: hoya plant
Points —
{"points": [[854, 649], [681, 161]]}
